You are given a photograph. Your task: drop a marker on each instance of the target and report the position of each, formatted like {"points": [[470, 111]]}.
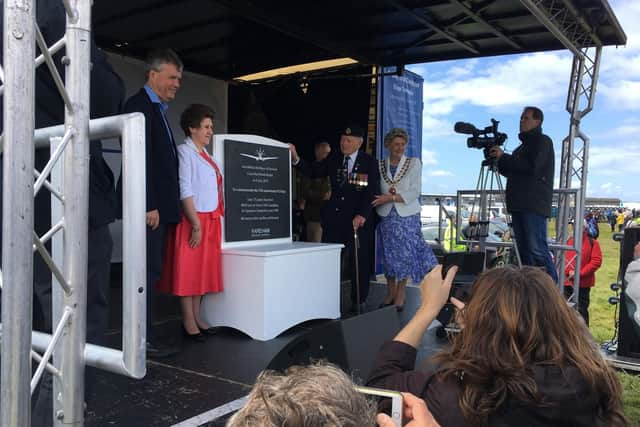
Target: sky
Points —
{"points": [[476, 90]]}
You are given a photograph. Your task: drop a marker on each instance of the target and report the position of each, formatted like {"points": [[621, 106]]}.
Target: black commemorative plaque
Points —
{"points": [[257, 191]]}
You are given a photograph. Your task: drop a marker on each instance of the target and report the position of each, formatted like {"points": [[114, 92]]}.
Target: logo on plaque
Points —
{"points": [[259, 157]]}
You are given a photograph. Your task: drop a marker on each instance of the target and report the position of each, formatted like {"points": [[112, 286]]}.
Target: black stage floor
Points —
{"points": [[202, 384]]}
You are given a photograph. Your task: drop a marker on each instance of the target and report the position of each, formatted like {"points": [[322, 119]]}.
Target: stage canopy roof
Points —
{"points": [[230, 38]]}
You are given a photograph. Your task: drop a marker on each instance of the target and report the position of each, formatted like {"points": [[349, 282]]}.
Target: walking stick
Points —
{"points": [[356, 243]]}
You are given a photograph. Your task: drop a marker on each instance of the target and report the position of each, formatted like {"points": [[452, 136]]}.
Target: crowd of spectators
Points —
{"points": [[617, 218], [531, 362]]}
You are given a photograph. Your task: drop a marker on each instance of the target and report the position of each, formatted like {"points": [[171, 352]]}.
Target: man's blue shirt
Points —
{"points": [[163, 108]]}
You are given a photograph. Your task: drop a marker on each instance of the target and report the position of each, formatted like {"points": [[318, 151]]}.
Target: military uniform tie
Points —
{"points": [[345, 167]]}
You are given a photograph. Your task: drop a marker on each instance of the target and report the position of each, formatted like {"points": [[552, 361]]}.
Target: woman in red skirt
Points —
{"points": [[192, 264]]}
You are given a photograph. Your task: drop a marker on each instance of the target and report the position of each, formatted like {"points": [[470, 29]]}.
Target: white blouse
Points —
{"points": [[197, 177]]}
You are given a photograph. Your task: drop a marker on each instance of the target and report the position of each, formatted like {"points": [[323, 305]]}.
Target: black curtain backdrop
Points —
{"points": [[281, 110]]}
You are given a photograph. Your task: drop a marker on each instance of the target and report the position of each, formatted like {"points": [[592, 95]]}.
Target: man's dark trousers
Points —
{"points": [[155, 248], [530, 231]]}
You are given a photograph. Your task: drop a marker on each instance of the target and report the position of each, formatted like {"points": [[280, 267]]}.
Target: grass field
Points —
{"points": [[601, 317]]}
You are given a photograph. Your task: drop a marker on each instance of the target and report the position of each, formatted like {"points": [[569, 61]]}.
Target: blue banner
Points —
{"points": [[400, 106]]}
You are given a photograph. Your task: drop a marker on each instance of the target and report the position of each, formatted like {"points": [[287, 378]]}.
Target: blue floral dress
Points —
{"points": [[405, 253]]}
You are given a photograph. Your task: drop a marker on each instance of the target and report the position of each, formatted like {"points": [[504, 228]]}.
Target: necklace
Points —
{"points": [[399, 174]]}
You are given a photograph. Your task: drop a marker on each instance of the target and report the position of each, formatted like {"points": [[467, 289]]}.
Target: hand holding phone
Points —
{"points": [[435, 290], [469, 263], [449, 261], [389, 403], [415, 412]]}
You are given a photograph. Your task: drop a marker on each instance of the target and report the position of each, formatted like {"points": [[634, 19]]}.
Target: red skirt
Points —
{"points": [[188, 271]]}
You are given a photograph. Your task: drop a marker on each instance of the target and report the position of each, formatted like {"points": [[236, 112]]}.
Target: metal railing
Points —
{"points": [[131, 360]]}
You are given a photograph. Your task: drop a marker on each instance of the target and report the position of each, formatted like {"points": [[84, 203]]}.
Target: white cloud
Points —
{"points": [[613, 171], [439, 172], [433, 126], [628, 14], [629, 128], [502, 85], [439, 105], [574, 183], [461, 71], [620, 66], [429, 157], [607, 186], [620, 61], [610, 188], [610, 161], [622, 94]]}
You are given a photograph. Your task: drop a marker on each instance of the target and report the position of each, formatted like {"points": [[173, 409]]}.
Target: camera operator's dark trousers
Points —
{"points": [[530, 231]]}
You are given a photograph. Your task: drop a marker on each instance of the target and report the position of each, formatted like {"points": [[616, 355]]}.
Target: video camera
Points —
{"points": [[482, 139]]}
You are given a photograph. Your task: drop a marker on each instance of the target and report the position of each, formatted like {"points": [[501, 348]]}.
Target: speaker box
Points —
{"points": [[364, 335], [629, 338], [351, 343], [323, 342]]}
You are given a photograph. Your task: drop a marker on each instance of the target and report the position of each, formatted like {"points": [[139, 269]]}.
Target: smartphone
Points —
{"points": [[389, 402], [470, 264]]}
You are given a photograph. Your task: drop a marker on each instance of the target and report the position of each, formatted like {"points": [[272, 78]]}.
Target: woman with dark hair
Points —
{"points": [[523, 357], [192, 264], [405, 253]]}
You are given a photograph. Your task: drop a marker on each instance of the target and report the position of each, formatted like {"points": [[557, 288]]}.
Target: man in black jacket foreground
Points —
{"points": [[529, 171]]}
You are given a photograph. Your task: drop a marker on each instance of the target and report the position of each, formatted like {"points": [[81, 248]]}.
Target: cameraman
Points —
{"points": [[529, 172]]}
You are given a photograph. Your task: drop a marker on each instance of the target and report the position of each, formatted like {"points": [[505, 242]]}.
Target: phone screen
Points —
{"points": [[384, 404], [469, 263]]}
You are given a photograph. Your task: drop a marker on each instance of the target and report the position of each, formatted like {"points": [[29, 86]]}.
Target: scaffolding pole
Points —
{"points": [[565, 22], [17, 215], [68, 401], [575, 150]]}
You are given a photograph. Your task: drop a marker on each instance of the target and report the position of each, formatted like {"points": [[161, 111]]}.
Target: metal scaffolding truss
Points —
{"points": [[576, 34], [66, 176], [575, 149], [566, 23]]}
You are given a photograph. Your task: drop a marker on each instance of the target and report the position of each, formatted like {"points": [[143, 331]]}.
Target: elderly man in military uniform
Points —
{"points": [[353, 175]]}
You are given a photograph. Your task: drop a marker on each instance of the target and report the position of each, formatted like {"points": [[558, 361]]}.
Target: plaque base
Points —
{"points": [[270, 288]]}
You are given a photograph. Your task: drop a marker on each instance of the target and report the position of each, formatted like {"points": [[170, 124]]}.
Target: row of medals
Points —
{"points": [[354, 178]]}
